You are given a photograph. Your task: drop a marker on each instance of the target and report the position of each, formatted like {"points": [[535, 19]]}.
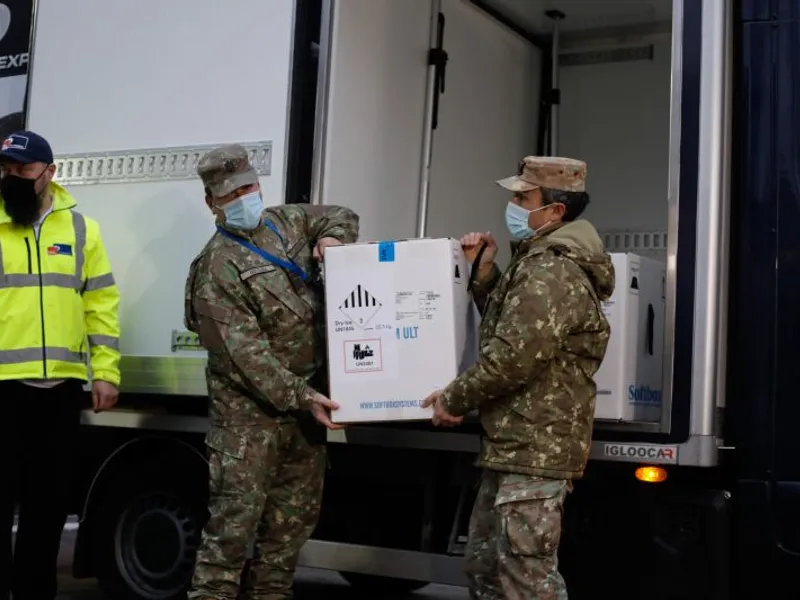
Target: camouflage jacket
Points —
{"points": [[543, 337], [262, 325]]}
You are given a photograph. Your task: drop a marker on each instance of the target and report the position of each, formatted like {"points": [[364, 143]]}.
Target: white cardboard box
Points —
{"points": [[400, 325], [630, 377]]}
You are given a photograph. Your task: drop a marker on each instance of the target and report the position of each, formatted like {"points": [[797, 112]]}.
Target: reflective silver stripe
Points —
{"points": [[92, 283], [104, 340], [97, 283], [19, 280], [11, 357], [79, 225]]}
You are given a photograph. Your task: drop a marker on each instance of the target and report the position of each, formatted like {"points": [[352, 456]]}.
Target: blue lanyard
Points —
{"points": [[289, 265]]}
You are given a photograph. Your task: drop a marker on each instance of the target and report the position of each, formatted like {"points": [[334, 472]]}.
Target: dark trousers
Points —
{"points": [[38, 436]]}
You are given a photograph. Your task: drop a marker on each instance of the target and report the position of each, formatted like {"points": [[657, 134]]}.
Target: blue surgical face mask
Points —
{"points": [[517, 221], [244, 212]]}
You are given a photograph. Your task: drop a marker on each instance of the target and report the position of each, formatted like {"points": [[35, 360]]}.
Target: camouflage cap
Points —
{"points": [[552, 172], [225, 169]]}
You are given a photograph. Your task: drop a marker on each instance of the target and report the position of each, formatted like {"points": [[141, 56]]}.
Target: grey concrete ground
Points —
{"points": [[311, 584]]}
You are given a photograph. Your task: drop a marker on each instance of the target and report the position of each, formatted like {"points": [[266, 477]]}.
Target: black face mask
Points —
{"points": [[22, 203]]}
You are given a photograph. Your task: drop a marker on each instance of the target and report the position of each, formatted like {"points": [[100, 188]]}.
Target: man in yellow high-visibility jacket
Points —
{"points": [[58, 312]]}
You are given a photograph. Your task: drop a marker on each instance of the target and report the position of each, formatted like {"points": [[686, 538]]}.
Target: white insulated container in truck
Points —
{"points": [[629, 379]]}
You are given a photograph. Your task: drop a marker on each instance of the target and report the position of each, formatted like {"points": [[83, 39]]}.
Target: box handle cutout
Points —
{"points": [[651, 317]]}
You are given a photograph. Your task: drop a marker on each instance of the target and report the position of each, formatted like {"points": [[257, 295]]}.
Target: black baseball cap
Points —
{"points": [[26, 147]]}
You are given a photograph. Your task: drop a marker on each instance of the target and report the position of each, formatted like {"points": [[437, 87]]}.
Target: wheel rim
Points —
{"points": [[155, 543]]}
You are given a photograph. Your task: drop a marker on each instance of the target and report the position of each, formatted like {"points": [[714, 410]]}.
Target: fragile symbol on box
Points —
{"points": [[363, 356], [360, 306]]}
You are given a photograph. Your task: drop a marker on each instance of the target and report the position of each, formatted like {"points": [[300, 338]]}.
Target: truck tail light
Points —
{"points": [[651, 474]]}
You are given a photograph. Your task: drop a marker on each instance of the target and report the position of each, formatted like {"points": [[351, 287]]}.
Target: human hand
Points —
{"points": [[321, 407], [322, 243], [440, 415], [472, 242], [104, 396]]}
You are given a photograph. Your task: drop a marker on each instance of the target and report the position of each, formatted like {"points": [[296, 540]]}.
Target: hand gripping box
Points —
{"points": [[400, 324], [629, 381]]}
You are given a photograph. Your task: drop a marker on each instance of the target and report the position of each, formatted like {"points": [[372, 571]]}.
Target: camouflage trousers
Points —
{"points": [[514, 532], [266, 488]]}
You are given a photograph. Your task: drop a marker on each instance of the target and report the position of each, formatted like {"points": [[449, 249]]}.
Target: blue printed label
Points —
{"points": [[644, 394], [386, 252], [407, 333]]}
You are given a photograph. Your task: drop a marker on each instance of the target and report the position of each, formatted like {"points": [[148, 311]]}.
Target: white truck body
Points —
{"points": [[131, 94], [149, 121]]}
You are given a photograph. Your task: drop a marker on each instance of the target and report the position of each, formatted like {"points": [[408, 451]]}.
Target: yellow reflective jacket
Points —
{"points": [[59, 304]]}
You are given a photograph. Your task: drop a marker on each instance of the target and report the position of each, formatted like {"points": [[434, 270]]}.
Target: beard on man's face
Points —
{"points": [[21, 201]]}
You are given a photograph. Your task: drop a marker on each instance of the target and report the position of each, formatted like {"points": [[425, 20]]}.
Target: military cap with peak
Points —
{"points": [[225, 169], [551, 172]]}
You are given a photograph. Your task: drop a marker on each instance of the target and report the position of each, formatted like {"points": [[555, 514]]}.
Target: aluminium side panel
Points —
{"points": [[129, 106]]}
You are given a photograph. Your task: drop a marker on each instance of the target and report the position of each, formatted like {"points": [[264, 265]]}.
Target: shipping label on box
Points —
{"points": [[400, 324], [629, 381]]}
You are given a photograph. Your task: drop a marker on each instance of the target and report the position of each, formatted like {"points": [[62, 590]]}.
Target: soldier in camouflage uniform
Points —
{"points": [[543, 337], [254, 297]]}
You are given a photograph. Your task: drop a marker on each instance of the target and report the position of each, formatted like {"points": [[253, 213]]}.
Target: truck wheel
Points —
{"points": [[382, 585], [146, 538]]}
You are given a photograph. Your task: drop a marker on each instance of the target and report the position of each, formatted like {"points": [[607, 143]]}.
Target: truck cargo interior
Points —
{"points": [[614, 98]]}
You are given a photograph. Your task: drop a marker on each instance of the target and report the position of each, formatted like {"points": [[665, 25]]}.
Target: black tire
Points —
{"points": [[382, 585], [146, 536]]}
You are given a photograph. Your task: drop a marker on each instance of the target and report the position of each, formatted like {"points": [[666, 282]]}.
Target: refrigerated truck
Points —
{"points": [[686, 113]]}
